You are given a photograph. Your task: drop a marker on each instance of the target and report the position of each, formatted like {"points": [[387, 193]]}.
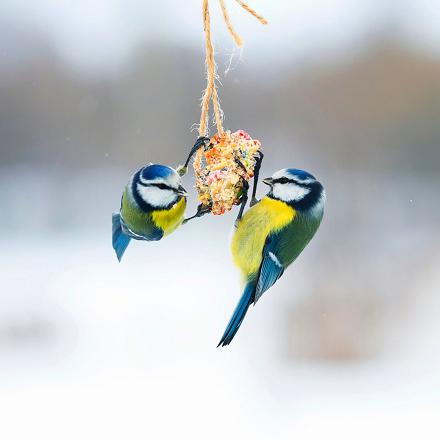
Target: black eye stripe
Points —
{"points": [[284, 180], [158, 185], [162, 186]]}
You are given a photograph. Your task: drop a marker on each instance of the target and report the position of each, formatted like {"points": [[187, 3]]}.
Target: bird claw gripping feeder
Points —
{"points": [[224, 163], [223, 169]]}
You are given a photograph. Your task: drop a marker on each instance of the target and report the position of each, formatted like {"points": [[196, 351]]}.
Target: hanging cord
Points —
{"points": [[211, 89], [253, 12], [211, 73], [234, 35]]}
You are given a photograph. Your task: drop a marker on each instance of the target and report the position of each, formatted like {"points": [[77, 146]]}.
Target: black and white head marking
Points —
{"points": [[299, 189], [156, 187]]}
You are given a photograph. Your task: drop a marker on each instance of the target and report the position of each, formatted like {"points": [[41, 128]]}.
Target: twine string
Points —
{"points": [[211, 69], [210, 73], [253, 12], [237, 39]]}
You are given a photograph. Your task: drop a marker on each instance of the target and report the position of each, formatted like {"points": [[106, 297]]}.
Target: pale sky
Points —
{"points": [[101, 34]]}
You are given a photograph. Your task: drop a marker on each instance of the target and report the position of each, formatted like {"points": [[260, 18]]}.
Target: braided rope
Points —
{"points": [[210, 92]]}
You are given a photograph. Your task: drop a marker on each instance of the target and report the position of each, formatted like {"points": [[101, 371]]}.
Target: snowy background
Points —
{"points": [[346, 345]]}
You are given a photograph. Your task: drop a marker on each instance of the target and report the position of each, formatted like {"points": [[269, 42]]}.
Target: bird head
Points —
{"points": [[297, 188], [158, 186]]}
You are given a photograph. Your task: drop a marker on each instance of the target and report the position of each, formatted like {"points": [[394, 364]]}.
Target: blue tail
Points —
{"points": [[239, 313], [119, 239]]}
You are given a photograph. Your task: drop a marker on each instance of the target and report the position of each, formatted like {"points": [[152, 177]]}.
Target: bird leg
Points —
{"points": [[258, 161], [202, 141], [201, 211], [244, 198]]}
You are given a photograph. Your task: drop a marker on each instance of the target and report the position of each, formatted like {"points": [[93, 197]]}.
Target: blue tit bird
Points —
{"points": [[272, 234], [152, 206]]}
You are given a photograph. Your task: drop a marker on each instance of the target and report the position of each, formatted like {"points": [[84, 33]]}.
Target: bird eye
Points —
{"points": [[162, 186], [283, 180]]}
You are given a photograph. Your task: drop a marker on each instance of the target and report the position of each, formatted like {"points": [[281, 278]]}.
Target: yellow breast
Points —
{"points": [[169, 220], [247, 245]]}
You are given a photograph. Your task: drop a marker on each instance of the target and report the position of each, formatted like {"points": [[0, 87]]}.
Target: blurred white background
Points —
{"points": [[344, 346]]}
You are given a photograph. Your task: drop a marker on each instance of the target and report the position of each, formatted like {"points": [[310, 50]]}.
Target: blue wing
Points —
{"points": [[282, 248], [120, 240], [271, 267], [150, 233], [238, 315]]}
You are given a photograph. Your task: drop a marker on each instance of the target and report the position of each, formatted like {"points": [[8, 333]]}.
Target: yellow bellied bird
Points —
{"points": [[152, 206], [272, 234]]}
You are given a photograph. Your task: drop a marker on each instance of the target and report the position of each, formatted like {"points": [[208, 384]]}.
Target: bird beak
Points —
{"points": [[268, 181], [181, 191]]}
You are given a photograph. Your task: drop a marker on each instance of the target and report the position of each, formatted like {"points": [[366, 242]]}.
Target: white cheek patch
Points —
{"points": [[155, 196], [289, 192]]}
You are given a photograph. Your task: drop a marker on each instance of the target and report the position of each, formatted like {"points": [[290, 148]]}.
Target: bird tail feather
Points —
{"points": [[120, 241], [239, 313]]}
